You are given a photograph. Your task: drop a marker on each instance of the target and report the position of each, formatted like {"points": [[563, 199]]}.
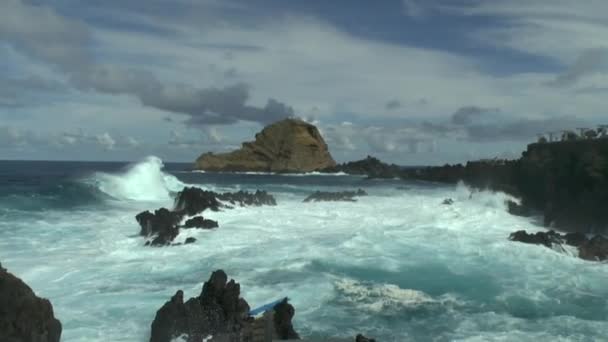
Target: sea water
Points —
{"points": [[397, 265]]}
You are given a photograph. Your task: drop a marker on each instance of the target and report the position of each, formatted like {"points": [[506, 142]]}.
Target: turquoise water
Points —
{"points": [[396, 265]]}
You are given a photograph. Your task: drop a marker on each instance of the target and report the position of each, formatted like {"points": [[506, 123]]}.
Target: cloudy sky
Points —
{"points": [[410, 81]]}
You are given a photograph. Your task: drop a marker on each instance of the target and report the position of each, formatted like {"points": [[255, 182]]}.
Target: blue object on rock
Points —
{"points": [[266, 307]]}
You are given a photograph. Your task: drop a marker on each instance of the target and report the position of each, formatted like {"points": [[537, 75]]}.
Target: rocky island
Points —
{"points": [[289, 145]]}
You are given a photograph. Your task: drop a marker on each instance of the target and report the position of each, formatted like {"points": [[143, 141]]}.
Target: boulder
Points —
{"points": [[162, 225], [189, 240], [448, 201], [289, 145], [546, 239], [24, 317], [283, 314], [595, 249], [347, 196], [361, 338], [192, 201], [201, 223]]}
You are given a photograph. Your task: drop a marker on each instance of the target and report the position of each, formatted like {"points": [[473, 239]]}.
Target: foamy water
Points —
{"points": [[397, 265]]}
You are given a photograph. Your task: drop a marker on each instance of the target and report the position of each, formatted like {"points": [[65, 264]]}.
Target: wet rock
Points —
{"points": [[24, 317], [192, 201], [347, 196], [218, 311], [162, 225], [595, 249], [361, 338], [244, 198], [517, 209], [189, 240], [201, 223], [541, 238], [448, 201], [283, 315], [575, 239]]}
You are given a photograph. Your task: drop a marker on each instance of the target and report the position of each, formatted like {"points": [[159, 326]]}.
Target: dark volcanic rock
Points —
{"points": [[24, 317], [594, 249], [361, 338], [575, 239], [200, 222], [347, 196], [541, 238], [189, 240], [289, 145], [244, 198], [192, 201], [283, 314], [162, 225], [219, 311], [518, 209], [370, 166], [448, 201]]}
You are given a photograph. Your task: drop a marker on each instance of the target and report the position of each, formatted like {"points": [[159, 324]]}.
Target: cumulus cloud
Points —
{"points": [[12, 137], [469, 114], [64, 43]]}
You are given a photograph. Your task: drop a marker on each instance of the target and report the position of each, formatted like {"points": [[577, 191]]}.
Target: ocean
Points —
{"points": [[397, 265]]}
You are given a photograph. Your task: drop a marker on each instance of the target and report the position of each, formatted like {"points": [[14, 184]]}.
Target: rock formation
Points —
{"points": [[163, 226], [290, 145], [370, 166], [24, 317], [594, 249], [345, 196], [220, 312]]}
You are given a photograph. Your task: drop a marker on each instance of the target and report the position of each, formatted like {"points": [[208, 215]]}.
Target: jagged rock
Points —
{"points": [[192, 201], [290, 145], [540, 238], [575, 239], [347, 196], [594, 249], [370, 166], [162, 225], [361, 338], [218, 311], [283, 315], [244, 198], [448, 201], [200, 222], [24, 317], [518, 209]]}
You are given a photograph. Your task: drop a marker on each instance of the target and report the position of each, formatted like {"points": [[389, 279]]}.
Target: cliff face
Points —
{"points": [[290, 145], [566, 181]]}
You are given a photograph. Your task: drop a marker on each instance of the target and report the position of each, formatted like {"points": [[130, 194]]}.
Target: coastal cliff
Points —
{"points": [[290, 145], [565, 181]]}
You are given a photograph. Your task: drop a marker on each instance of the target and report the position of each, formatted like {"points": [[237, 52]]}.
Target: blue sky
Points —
{"points": [[410, 81]]}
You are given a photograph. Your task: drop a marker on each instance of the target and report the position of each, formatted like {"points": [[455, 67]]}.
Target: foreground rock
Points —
{"points": [[163, 226], [219, 311], [24, 317], [594, 249], [346, 196], [290, 145]]}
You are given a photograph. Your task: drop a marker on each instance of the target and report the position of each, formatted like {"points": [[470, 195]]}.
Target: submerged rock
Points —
{"points": [[546, 239], [448, 201], [595, 249], [289, 145], [24, 317], [348, 196], [201, 223], [219, 311], [189, 240]]}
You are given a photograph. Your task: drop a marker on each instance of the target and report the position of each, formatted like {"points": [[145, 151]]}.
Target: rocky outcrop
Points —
{"points": [[566, 182], [219, 311], [370, 166], [361, 338], [344, 196], [163, 226], [290, 145], [594, 249], [24, 317]]}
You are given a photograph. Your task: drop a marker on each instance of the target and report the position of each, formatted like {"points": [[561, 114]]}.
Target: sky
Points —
{"points": [[413, 82]]}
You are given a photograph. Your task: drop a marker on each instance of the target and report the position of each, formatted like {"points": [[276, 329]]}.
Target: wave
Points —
{"points": [[261, 173], [143, 181]]}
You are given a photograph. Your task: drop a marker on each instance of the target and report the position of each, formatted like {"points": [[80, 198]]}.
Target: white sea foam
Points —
{"points": [[143, 181], [339, 263]]}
